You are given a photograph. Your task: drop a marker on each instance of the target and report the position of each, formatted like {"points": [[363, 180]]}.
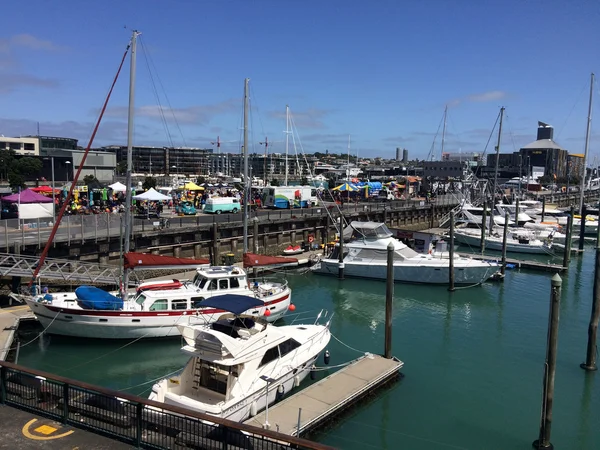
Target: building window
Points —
{"points": [[15, 145], [30, 147]]}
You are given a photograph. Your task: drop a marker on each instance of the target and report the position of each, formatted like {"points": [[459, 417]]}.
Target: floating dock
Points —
{"points": [[519, 263], [9, 322], [318, 402]]}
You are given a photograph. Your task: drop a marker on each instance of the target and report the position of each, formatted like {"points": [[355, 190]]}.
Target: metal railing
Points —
{"points": [[131, 419]]}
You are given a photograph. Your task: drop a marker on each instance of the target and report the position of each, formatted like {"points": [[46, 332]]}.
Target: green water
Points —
{"points": [[473, 361]]}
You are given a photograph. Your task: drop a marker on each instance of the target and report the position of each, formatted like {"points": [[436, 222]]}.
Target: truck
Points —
{"points": [[285, 197]]}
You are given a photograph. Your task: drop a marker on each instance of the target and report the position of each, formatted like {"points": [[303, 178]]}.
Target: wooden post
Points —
{"points": [[255, 231], [451, 253], [215, 230], [504, 239], [517, 210], [389, 297], [582, 228], [483, 224], [567, 254], [590, 359], [543, 207], [341, 248], [543, 442]]}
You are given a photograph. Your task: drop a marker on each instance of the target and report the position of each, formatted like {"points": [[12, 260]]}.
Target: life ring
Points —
{"points": [[311, 238]]}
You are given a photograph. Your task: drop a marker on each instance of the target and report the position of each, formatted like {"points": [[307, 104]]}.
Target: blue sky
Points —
{"points": [[380, 71]]}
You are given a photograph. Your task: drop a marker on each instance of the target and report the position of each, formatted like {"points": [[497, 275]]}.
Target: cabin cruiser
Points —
{"points": [[522, 241], [365, 256], [240, 364], [473, 216], [511, 209], [157, 307]]}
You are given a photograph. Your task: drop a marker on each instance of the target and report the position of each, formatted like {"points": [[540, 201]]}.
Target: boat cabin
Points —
{"points": [[221, 278]]}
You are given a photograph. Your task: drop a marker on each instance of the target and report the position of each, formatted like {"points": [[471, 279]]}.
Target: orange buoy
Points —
{"points": [[267, 313], [292, 307]]}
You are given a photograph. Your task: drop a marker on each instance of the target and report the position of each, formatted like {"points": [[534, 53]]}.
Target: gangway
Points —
{"points": [[60, 269]]}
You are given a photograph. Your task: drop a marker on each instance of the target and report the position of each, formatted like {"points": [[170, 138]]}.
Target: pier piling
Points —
{"points": [[504, 237], [483, 225], [341, 255], [567, 254], [389, 297], [451, 253], [543, 207], [583, 213], [517, 208], [590, 358], [543, 442]]}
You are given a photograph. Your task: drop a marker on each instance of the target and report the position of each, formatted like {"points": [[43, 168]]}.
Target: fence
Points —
{"points": [[131, 419]]}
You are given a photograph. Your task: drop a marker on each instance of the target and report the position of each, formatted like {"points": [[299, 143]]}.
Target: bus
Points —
{"points": [[289, 197]]}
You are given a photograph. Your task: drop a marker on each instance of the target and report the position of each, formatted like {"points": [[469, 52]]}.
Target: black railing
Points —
{"points": [[131, 419]]}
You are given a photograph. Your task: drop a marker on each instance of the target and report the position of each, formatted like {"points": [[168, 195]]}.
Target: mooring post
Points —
{"points": [[550, 366], [389, 297], [504, 239], [483, 225], [543, 207], [590, 358], [341, 255], [255, 232], [451, 253], [583, 213], [517, 210], [215, 233], [567, 254]]}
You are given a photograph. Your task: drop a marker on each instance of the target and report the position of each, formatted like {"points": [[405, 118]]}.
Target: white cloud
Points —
{"points": [[482, 97], [9, 82], [309, 119], [28, 41]]}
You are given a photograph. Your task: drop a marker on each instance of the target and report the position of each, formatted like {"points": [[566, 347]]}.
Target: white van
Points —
{"points": [[218, 205]]}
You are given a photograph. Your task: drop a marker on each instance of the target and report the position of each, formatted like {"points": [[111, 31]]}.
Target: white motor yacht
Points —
{"points": [[239, 364], [520, 242], [365, 256], [157, 307]]}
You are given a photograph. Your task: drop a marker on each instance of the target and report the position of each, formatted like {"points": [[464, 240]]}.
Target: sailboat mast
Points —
{"points": [[587, 145], [246, 180], [265, 161], [444, 132], [348, 162], [287, 141], [492, 207], [128, 182]]}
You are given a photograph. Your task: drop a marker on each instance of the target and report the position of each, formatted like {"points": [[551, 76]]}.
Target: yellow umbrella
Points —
{"points": [[191, 186], [346, 187]]}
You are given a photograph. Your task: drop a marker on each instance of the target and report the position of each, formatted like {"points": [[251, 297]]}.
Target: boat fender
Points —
{"points": [[313, 373], [253, 409], [326, 357], [296, 381], [311, 238], [280, 392]]}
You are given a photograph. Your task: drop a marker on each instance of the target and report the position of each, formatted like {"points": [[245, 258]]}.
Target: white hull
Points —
{"points": [[496, 244]]}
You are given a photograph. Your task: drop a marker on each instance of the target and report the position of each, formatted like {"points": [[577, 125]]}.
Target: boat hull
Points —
{"points": [[475, 241]]}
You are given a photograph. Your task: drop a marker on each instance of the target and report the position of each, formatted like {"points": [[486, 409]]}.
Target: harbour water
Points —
{"points": [[473, 361]]}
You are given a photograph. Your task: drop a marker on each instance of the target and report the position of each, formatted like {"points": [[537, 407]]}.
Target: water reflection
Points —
{"points": [[584, 412]]}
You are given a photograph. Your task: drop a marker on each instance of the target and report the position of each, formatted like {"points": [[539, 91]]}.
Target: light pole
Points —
{"points": [[53, 190], [268, 381], [68, 163]]}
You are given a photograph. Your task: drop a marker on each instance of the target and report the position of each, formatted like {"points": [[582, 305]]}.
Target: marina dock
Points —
{"points": [[314, 404], [9, 322], [519, 263]]}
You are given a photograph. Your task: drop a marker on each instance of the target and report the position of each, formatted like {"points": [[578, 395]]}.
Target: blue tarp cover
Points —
{"points": [[236, 304], [94, 298]]}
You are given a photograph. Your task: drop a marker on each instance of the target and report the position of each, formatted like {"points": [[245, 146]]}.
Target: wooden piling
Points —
{"points": [[483, 225], [517, 210], [504, 239], [543, 442], [567, 254], [255, 232], [215, 242], [543, 207], [341, 254], [590, 358], [583, 213], [451, 254], [389, 297]]}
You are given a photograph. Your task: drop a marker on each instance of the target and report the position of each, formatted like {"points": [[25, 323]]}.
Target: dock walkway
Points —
{"points": [[9, 322], [521, 264], [323, 399]]}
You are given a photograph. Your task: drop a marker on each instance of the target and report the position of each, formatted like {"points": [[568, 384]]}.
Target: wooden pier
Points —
{"points": [[9, 322], [521, 264], [311, 406]]}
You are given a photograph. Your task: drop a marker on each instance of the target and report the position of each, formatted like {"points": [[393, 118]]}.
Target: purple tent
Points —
{"points": [[27, 196]]}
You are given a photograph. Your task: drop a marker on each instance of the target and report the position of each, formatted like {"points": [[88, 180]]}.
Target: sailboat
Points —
{"points": [[156, 308]]}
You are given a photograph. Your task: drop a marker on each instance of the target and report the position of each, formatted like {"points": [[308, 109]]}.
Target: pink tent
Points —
{"points": [[27, 196]]}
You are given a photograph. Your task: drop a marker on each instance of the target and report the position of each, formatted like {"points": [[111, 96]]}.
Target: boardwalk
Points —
{"points": [[9, 321], [323, 399]]}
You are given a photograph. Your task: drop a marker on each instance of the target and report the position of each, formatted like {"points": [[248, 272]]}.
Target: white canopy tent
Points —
{"points": [[152, 195], [118, 187]]}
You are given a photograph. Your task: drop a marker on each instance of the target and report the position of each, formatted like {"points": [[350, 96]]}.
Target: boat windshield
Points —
{"points": [[200, 281], [140, 299], [370, 230]]}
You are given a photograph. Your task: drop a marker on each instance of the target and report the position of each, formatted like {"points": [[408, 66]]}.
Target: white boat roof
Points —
{"points": [[221, 271]]}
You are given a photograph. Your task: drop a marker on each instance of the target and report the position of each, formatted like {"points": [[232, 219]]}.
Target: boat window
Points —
{"points": [[196, 302], [140, 299], [179, 304], [160, 305], [270, 355], [234, 283], [288, 346], [223, 283], [213, 285]]}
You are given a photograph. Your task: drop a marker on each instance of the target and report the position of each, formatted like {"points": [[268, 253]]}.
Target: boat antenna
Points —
{"points": [[246, 180]]}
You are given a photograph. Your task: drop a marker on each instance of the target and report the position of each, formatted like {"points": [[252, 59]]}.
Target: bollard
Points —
{"points": [[389, 297], [590, 359], [543, 442], [451, 254], [504, 239]]}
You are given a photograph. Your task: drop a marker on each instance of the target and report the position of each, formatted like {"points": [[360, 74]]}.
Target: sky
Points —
{"points": [[376, 73]]}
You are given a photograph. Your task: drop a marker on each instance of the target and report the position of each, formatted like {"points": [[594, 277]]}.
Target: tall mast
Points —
{"points": [[246, 181], [287, 140], [444, 132], [587, 145], [496, 169], [128, 181], [348, 162], [265, 161]]}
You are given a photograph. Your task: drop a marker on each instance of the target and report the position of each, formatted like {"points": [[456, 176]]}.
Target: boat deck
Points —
{"points": [[519, 263], [9, 322], [309, 407]]}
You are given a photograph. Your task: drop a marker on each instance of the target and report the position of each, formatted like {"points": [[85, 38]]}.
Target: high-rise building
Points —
{"points": [[405, 156], [398, 150]]}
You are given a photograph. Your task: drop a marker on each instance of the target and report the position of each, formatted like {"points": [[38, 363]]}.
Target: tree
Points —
{"points": [[274, 182], [121, 168], [200, 180], [28, 167], [148, 183], [16, 181], [304, 181], [89, 179]]}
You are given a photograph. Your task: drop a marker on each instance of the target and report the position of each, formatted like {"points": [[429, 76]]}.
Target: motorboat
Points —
{"points": [[516, 242], [157, 307], [240, 364], [473, 216], [511, 209], [293, 250], [365, 256]]}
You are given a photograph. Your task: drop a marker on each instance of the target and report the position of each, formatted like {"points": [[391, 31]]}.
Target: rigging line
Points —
{"points": [[310, 172], [253, 95], [151, 381], [577, 99], [156, 94], [346, 345], [430, 156], [76, 177], [166, 96], [37, 337], [490, 138]]}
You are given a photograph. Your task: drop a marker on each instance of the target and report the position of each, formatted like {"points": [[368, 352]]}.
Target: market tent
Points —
{"points": [[346, 187], [31, 205], [26, 196], [191, 186], [42, 190], [152, 196], [118, 187]]}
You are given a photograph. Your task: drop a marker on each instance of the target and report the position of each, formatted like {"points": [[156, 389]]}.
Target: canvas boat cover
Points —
{"points": [[90, 297], [138, 261], [254, 260]]}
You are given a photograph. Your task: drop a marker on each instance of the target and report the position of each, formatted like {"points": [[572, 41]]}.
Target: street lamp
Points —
{"points": [[268, 381], [53, 190], [68, 163]]}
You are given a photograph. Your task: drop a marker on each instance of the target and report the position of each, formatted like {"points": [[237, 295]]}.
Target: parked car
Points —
{"points": [[186, 208]]}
